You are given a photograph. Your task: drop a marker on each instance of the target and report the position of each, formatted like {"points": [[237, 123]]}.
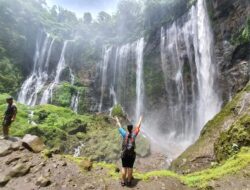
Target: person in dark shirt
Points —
{"points": [[128, 155], [9, 116]]}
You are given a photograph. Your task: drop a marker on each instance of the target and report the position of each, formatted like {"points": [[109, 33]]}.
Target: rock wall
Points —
{"points": [[233, 58]]}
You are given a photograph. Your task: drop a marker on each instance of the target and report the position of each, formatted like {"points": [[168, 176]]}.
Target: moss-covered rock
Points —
{"points": [[230, 141]]}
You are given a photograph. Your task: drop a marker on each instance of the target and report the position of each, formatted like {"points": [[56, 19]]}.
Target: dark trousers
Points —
{"points": [[6, 126]]}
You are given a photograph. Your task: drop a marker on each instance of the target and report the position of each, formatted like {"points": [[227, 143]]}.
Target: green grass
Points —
{"points": [[63, 129], [231, 166], [197, 179]]}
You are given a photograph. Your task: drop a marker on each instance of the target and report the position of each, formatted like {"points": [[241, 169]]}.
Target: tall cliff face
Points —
{"points": [[232, 46]]}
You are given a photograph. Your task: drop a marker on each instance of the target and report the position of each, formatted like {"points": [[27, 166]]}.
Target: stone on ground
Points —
{"points": [[43, 181], [5, 148], [33, 143], [19, 170], [4, 179]]}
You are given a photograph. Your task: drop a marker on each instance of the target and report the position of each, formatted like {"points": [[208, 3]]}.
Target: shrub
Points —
{"points": [[117, 111]]}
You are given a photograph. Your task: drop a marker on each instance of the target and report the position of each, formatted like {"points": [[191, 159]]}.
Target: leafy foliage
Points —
{"points": [[243, 36], [9, 76]]}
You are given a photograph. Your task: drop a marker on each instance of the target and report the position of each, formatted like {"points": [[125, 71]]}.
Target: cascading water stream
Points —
{"points": [[208, 99], [139, 78], [48, 92], [186, 54], [36, 81], [126, 57], [104, 67], [75, 102], [72, 76]]}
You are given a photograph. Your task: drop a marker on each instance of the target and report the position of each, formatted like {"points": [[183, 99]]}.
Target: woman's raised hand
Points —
{"points": [[118, 122], [139, 122]]}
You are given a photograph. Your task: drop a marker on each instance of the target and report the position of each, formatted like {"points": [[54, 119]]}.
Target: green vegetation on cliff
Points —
{"points": [[243, 35], [230, 141], [9, 75]]}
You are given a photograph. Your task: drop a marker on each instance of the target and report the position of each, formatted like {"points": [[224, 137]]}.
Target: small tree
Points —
{"points": [[87, 18], [117, 111]]}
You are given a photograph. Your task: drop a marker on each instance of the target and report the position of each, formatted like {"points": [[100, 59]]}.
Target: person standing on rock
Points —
{"points": [[9, 116], [128, 150]]}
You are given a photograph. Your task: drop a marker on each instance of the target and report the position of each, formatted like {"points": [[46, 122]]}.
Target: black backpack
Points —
{"points": [[128, 146]]}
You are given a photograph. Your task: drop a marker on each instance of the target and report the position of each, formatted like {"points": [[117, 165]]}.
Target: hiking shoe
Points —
{"points": [[123, 183], [129, 183]]}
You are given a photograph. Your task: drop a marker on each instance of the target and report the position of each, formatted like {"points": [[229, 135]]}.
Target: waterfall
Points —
{"points": [[187, 63], [36, 81], [123, 54], [139, 78], [116, 77], [75, 102], [113, 86], [104, 67], [72, 77], [77, 150], [208, 99], [48, 92]]}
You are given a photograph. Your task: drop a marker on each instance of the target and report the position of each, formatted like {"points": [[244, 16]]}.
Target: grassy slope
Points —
{"points": [[63, 129]]}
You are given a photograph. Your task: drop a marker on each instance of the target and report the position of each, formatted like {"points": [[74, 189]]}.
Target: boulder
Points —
{"points": [[16, 145], [43, 181], [33, 143], [5, 148], [4, 179], [19, 170]]}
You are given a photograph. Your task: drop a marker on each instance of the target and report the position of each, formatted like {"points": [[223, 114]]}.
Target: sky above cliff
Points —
{"points": [[81, 6]]}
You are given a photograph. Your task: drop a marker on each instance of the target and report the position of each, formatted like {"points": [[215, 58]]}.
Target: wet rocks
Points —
{"points": [[33, 143]]}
